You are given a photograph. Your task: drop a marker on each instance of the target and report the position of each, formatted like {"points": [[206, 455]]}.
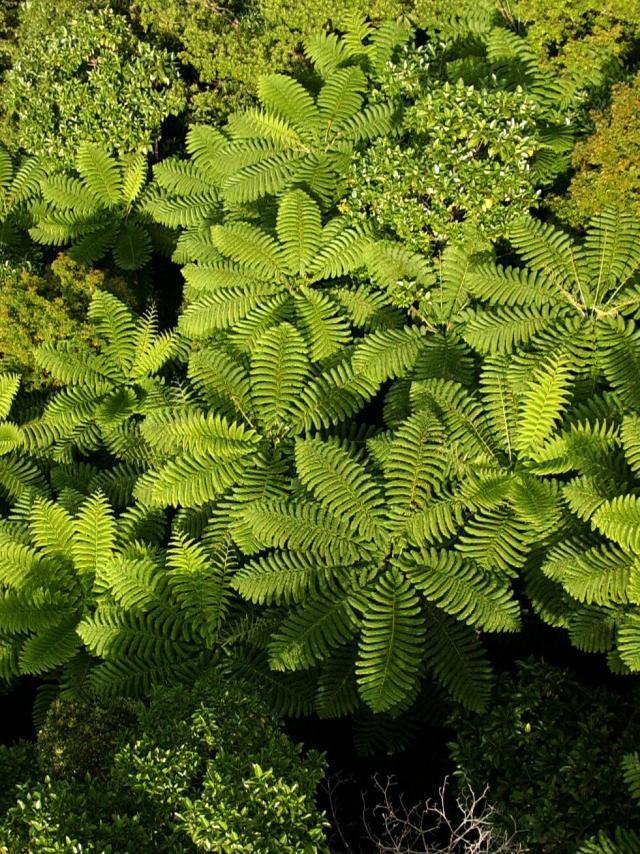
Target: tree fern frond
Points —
{"points": [[100, 173], [388, 353], [95, 533], [52, 529], [439, 520], [299, 229], [391, 644], [303, 527], [628, 641], [455, 656], [591, 629], [619, 519], [584, 495], [414, 466], [325, 330], [461, 414], [512, 286], [340, 98], [463, 590], [279, 368], [444, 356], [9, 385], [194, 432], [220, 309], [500, 401], [631, 772], [189, 480], [496, 540], [630, 436], [502, 329], [543, 402], [337, 688], [291, 101], [309, 634], [283, 577], [50, 647], [340, 483], [199, 583]]}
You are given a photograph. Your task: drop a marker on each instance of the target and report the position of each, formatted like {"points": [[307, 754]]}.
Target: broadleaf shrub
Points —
{"points": [[550, 750], [200, 768], [95, 80]]}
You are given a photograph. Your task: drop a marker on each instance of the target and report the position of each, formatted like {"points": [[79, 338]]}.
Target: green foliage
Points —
{"points": [[52, 306], [81, 737], [8, 25], [352, 569], [483, 129], [230, 45], [438, 183], [205, 768], [100, 212], [80, 73], [580, 38], [606, 162], [550, 748], [215, 491]]}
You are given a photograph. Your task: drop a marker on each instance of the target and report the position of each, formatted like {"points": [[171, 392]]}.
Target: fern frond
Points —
{"points": [[500, 401], [619, 519], [631, 772], [630, 436], [496, 540], [474, 596], [437, 521], [591, 629], [628, 641], [279, 367], [391, 646], [461, 415], [199, 581], [326, 331], [9, 385], [340, 98], [388, 353], [444, 356], [189, 480], [414, 466], [599, 575], [303, 527], [291, 101], [50, 647], [502, 329], [194, 432], [457, 659], [337, 688], [100, 173], [52, 529], [283, 577], [340, 483], [310, 633], [512, 286], [543, 402], [95, 533]]}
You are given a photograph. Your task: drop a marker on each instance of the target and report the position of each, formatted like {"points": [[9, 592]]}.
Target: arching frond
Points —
{"points": [[391, 645]]}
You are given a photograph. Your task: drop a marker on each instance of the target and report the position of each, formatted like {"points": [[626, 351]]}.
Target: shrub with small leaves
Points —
{"points": [[607, 163], [49, 306], [464, 160], [231, 44], [550, 749], [86, 76], [205, 769], [584, 38]]}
